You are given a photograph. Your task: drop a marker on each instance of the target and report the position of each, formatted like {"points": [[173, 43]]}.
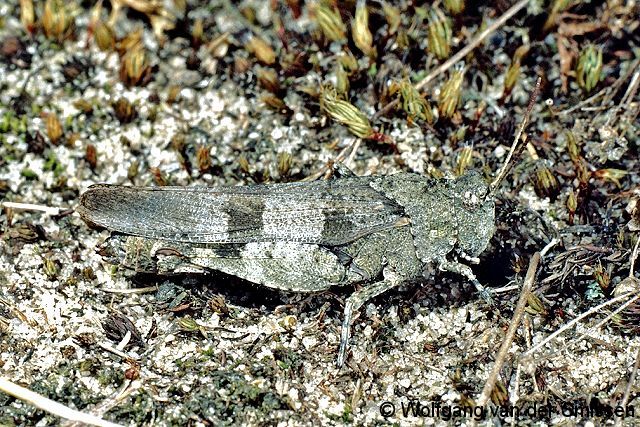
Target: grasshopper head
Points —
{"points": [[474, 214]]}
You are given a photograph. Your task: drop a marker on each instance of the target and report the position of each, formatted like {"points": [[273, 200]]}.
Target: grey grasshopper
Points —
{"points": [[374, 231]]}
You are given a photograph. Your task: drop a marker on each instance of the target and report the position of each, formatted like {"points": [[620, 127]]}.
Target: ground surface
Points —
{"points": [[216, 108]]}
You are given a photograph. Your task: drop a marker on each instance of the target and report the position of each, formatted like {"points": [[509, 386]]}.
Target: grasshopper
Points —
{"points": [[376, 231], [302, 237]]}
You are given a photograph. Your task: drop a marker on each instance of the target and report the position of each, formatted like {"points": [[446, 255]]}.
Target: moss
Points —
{"points": [[226, 398]]}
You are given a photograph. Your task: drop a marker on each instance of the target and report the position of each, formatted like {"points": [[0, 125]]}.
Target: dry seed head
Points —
{"points": [[72, 138], [330, 23], [243, 163], [193, 61], [50, 268], [179, 145], [392, 16], [268, 79], [459, 134], [218, 305], [125, 111], [611, 175], [582, 172], [360, 33], [439, 34], [534, 304], [57, 23], [545, 183], [158, 177], [521, 52], [633, 209], [27, 15], [602, 277], [35, 144], [249, 13], [88, 274], [219, 46], [589, 69], [161, 23], [499, 394], [96, 13], [288, 323], [349, 62], [131, 41], [261, 50], [512, 76], [173, 93], [54, 128], [134, 66], [413, 104], [572, 204], [203, 158], [454, 7], [345, 113], [27, 232], [104, 36], [132, 170], [629, 318], [91, 156], [572, 147], [274, 102], [197, 32], [240, 64], [284, 163], [451, 94], [187, 324], [464, 160], [178, 142], [342, 80]]}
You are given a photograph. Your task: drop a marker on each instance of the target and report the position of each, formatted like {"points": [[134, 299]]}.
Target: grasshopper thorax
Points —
{"points": [[474, 214]]}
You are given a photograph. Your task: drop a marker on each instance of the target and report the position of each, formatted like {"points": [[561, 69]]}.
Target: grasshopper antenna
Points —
{"points": [[518, 143]]}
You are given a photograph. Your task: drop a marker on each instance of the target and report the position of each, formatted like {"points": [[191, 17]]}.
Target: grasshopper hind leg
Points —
{"points": [[355, 301], [390, 252]]}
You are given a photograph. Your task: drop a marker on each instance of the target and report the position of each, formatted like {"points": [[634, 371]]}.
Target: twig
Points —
{"points": [[513, 326], [460, 54], [506, 166], [587, 101], [125, 341], [549, 245], [626, 98], [32, 207], [622, 307], [115, 351], [110, 402], [52, 406], [627, 391], [144, 290], [349, 162], [606, 319], [576, 320], [634, 257], [340, 157]]}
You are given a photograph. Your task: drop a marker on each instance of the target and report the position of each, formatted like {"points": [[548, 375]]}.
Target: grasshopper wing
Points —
{"points": [[328, 213]]}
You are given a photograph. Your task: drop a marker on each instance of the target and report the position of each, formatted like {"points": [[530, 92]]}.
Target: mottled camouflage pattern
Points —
{"points": [[303, 237]]}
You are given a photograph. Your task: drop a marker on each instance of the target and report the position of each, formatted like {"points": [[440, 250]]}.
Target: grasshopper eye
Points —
{"points": [[472, 200]]}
